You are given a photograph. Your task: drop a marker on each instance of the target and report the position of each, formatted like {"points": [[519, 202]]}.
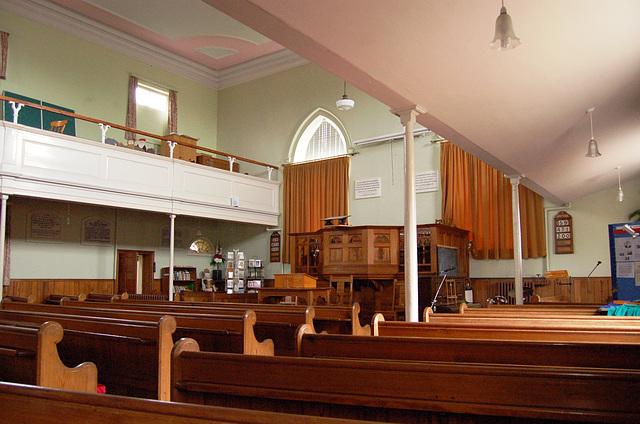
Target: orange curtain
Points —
{"points": [[477, 198], [313, 191]]}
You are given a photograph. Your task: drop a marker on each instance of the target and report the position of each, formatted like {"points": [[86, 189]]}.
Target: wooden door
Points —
{"points": [[128, 271]]}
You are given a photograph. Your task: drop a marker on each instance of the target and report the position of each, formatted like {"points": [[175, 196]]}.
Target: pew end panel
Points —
{"points": [[251, 344], [358, 329], [377, 318]]}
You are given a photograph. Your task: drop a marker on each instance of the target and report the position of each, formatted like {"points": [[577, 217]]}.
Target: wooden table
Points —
{"points": [[309, 294]]}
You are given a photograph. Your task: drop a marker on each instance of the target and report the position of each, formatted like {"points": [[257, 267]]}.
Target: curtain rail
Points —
{"points": [[122, 127]]}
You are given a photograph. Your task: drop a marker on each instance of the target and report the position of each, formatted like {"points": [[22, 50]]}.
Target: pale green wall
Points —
{"points": [[132, 230], [49, 65], [258, 120], [272, 108]]}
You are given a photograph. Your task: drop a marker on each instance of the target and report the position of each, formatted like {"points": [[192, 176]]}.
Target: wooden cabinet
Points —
{"points": [[308, 258], [362, 251], [180, 152], [376, 254], [371, 250], [439, 248], [184, 278]]}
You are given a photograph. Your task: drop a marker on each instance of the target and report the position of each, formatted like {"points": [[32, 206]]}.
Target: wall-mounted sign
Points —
{"points": [[368, 188], [426, 181], [44, 226], [274, 247], [96, 231], [563, 230]]}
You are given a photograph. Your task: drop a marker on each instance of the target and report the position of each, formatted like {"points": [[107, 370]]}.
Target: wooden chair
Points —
{"points": [[58, 126], [344, 288]]}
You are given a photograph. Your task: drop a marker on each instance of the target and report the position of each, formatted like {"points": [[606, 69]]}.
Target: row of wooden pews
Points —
{"points": [[410, 374], [119, 339]]}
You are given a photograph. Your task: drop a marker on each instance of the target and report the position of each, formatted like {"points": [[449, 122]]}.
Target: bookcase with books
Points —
{"points": [[184, 279]]}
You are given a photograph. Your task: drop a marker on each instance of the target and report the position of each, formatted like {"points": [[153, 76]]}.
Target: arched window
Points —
{"points": [[201, 246], [320, 136]]}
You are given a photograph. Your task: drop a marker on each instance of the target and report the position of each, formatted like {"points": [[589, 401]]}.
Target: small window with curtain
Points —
{"points": [[152, 108]]}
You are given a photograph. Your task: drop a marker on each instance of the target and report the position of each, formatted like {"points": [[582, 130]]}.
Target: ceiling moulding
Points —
{"points": [[70, 22], [271, 63]]}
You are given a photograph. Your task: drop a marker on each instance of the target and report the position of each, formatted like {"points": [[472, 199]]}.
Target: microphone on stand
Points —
{"points": [[435, 298], [594, 268]]}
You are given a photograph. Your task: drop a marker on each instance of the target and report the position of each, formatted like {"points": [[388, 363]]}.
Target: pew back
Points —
{"points": [[29, 354], [401, 391], [27, 405], [132, 357]]}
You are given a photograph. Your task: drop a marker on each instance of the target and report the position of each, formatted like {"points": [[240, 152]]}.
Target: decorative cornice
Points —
{"points": [[70, 22]]}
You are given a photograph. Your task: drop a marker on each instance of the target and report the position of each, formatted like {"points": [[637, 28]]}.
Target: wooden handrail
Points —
{"points": [[133, 130]]}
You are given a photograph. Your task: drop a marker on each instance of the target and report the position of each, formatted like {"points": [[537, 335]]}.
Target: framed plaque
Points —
{"points": [[274, 247], [563, 230]]}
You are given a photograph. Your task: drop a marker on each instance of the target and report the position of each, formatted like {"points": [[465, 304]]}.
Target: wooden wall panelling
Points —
{"points": [[42, 288]]}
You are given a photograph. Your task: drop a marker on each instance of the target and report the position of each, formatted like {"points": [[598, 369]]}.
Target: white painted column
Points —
{"points": [[171, 254], [3, 231], [408, 118], [517, 238]]}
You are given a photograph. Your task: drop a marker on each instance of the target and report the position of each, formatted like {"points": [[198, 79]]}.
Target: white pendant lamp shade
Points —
{"points": [[592, 148], [345, 103], [505, 38]]}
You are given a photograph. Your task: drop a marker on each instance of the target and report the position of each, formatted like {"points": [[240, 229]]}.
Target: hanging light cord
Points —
{"points": [[591, 120]]}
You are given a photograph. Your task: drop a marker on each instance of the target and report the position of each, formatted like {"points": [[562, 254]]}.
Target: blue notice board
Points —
{"points": [[624, 249]]}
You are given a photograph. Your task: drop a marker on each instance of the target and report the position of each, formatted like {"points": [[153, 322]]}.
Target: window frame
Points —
{"points": [[306, 130]]}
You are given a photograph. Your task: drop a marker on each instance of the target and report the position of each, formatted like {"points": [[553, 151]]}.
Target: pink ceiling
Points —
{"points": [[238, 50], [522, 111]]}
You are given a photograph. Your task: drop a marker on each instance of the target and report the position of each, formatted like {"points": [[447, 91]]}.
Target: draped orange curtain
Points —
{"points": [[477, 198], [313, 191]]}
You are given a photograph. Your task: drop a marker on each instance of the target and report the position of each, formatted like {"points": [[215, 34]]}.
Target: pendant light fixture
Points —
{"points": [[345, 103], [592, 149], [620, 193], [505, 38]]}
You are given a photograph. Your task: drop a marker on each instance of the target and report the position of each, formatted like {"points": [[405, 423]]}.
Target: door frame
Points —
{"points": [[148, 269]]}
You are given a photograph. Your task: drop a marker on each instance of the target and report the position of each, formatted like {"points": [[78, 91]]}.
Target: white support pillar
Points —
{"points": [[517, 238], [171, 254], [408, 118], [3, 231]]}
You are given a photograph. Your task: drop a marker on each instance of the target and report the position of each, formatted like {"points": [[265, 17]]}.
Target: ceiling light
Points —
{"points": [[620, 193], [505, 38], [592, 150], [345, 103]]}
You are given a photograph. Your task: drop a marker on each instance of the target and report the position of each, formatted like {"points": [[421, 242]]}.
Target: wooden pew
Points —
{"points": [[228, 333], [333, 319], [23, 404], [29, 355], [133, 357], [102, 297], [443, 349], [560, 333], [278, 326], [29, 299], [535, 320], [56, 299], [402, 391]]}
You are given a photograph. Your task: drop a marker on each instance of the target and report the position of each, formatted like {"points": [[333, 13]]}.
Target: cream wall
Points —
{"points": [[272, 108], [49, 65], [258, 120]]}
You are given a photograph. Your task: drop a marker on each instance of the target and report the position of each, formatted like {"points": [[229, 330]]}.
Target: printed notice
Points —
{"points": [[625, 270], [368, 188], [426, 181]]}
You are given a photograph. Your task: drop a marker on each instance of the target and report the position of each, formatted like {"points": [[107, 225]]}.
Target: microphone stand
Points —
{"points": [[438, 292], [594, 268]]}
